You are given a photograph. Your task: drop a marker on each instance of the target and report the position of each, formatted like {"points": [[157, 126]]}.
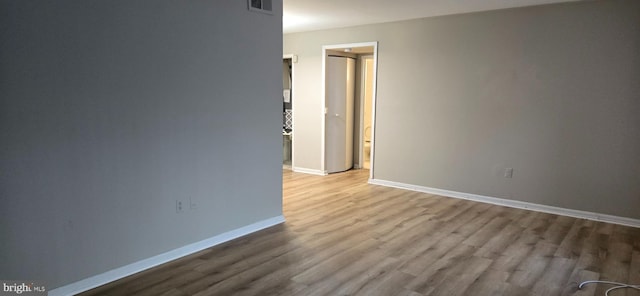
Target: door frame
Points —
{"points": [[325, 48]]}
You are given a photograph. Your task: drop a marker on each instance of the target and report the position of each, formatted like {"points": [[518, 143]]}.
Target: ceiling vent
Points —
{"points": [[263, 6]]}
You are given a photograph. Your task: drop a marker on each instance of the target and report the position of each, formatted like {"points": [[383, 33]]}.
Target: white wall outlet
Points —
{"points": [[508, 173], [179, 206]]}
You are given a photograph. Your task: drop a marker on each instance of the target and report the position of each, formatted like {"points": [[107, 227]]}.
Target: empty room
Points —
{"points": [[298, 147]]}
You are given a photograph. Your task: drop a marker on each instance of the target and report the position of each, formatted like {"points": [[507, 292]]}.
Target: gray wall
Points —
{"points": [[112, 110], [551, 91]]}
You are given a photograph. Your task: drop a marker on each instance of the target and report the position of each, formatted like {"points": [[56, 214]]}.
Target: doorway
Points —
{"points": [[365, 103], [362, 131], [287, 112]]}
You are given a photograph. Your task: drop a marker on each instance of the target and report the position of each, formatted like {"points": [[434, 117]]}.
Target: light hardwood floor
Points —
{"points": [[346, 237]]}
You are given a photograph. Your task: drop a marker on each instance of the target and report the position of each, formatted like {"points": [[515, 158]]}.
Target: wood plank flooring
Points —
{"points": [[346, 237]]}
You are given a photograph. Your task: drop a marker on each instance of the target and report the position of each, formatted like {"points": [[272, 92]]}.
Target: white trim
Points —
{"points": [[309, 171], [127, 270], [374, 44], [513, 203]]}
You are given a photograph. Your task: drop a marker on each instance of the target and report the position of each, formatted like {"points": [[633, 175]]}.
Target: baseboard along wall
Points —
{"points": [[133, 268], [513, 203]]}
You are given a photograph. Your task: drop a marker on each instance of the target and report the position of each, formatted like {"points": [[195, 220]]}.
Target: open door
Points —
{"points": [[340, 88]]}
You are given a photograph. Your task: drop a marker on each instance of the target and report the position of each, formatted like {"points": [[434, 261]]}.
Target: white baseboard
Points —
{"points": [[127, 270], [309, 171], [513, 203]]}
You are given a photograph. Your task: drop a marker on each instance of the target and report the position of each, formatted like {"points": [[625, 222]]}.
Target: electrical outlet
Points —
{"points": [[508, 173], [179, 206]]}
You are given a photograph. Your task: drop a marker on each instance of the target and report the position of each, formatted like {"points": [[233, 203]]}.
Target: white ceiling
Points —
{"points": [[310, 15]]}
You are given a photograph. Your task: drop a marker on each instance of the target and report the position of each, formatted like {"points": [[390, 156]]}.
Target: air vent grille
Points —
{"points": [[263, 6]]}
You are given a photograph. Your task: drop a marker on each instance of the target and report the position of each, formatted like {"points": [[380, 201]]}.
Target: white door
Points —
{"points": [[340, 85]]}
